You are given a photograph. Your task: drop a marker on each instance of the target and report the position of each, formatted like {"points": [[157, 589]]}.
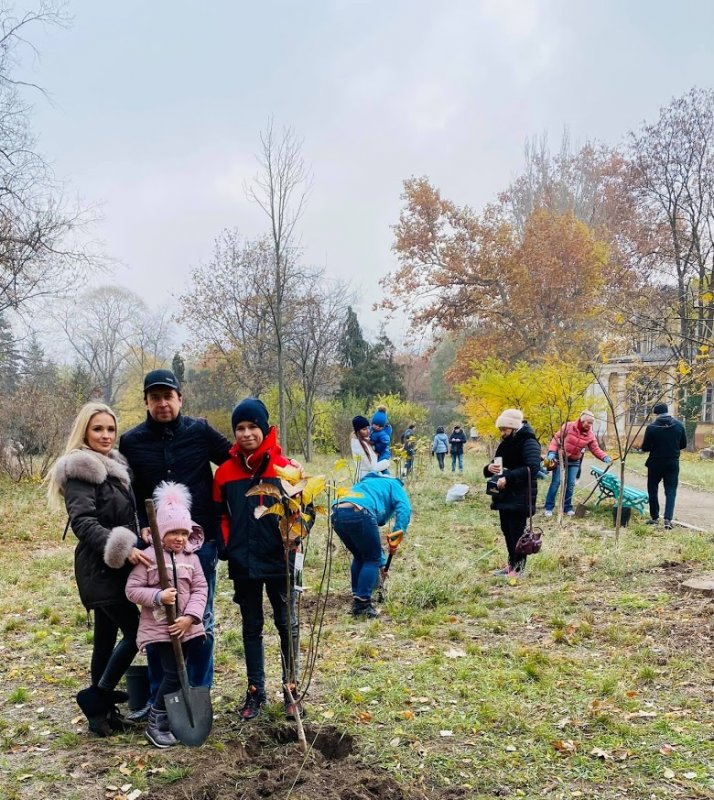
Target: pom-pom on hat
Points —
{"points": [[661, 408], [251, 410], [359, 422], [379, 417], [173, 508], [510, 418]]}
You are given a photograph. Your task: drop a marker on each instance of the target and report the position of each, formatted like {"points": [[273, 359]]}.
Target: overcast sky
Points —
{"points": [[157, 108]]}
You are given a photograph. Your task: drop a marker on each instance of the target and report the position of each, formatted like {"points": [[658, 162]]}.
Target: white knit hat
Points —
{"points": [[510, 418], [587, 413]]}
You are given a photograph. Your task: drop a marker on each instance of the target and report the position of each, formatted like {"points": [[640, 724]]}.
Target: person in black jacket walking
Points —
{"points": [[93, 480], [664, 438], [457, 440], [516, 462], [169, 446]]}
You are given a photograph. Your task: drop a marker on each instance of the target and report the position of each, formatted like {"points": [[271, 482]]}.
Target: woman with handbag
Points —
{"points": [[513, 484]]}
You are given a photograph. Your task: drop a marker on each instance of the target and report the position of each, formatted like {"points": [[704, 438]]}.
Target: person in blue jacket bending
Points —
{"points": [[356, 518]]}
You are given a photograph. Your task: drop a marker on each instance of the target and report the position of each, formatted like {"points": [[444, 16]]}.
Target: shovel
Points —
{"points": [[189, 709], [580, 509]]}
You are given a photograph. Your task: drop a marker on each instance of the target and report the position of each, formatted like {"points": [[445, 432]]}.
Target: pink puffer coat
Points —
{"points": [[143, 584], [576, 442]]}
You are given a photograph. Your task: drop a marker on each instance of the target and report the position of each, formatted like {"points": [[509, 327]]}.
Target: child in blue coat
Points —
{"points": [[381, 434]]}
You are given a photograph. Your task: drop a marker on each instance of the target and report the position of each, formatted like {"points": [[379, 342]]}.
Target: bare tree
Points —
{"points": [[228, 309], [38, 257], [313, 348], [107, 329], [280, 189]]}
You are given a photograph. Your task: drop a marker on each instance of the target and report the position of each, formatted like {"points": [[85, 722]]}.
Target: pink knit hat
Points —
{"points": [[173, 508]]}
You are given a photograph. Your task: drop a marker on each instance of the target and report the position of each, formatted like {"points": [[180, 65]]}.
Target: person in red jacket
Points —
{"points": [[254, 550], [572, 440]]}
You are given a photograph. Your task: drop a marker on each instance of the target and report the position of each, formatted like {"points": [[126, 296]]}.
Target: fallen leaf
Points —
{"points": [[364, 716], [598, 752], [667, 750], [454, 652], [408, 714], [395, 742], [136, 793], [564, 746], [124, 770], [510, 748], [25, 777], [329, 714], [446, 733], [669, 774], [690, 775], [125, 787]]}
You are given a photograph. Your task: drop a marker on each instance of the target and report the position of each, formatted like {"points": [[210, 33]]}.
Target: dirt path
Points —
{"points": [[693, 506]]}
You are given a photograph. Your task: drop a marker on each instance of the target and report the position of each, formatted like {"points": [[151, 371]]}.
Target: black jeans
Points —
{"points": [[249, 596], [110, 662], [667, 471], [513, 524], [440, 458], [163, 653]]}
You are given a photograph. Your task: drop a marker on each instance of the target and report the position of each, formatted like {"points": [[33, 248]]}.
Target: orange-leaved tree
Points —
{"points": [[516, 296]]}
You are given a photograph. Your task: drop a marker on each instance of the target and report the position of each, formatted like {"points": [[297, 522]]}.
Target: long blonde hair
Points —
{"points": [[75, 441]]}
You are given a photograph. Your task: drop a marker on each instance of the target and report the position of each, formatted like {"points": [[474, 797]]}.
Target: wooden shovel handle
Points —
{"points": [[164, 579]]}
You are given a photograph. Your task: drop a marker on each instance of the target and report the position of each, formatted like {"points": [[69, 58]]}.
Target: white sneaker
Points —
{"points": [[570, 513], [548, 513]]}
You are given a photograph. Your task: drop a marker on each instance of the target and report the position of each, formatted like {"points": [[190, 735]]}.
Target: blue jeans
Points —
{"points": [[572, 474], [457, 457], [359, 532]]}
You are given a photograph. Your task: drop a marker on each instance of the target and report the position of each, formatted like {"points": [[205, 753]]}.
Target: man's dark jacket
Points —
{"points": [[180, 451], [521, 462], [457, 440], [664, 438]]}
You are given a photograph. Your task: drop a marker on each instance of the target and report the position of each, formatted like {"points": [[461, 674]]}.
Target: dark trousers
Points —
{"points": [[666, 471], [162, 653], [109, 659], [440, 458], [359, 532], [249, 597], [513, 524]]}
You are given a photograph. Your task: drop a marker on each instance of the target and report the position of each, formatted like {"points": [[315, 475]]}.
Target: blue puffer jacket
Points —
{"points": [[180, 451], [384, 496]]}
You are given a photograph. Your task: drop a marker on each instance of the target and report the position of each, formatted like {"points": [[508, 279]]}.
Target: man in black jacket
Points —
{"points": [[664, 438], [169, 446]]}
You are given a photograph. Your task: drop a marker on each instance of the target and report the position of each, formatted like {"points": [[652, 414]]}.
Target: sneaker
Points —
{"points": [[668, 525], [502, 572], [513, 574], [254, 700], [570, 513], [652, 521], [548, 513]]}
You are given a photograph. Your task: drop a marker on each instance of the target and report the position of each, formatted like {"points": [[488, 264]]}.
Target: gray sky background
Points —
{"points": [[157, 108]]}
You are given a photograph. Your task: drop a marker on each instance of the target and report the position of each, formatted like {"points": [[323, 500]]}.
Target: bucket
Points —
{"points": [[137, 685], [624, 518]]}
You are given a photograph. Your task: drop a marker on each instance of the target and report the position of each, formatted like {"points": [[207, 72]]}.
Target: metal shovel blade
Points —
{"points": [[190, 726]]}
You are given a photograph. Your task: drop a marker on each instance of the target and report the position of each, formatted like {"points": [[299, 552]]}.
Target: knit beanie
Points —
{"points": [[660, 408], [173, 508], [359, 422], [510, 418], [379, 418], [587, 413], [251, 410]]}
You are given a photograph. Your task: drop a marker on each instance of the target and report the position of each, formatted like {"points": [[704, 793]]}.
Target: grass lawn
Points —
{"points": [[693, 471], [592, 677]]}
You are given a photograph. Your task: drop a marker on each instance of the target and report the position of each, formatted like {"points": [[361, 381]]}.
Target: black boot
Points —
{"points": [[362, 607], [95, 706], [158, 731]]}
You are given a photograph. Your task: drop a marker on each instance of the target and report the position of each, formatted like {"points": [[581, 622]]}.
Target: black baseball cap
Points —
{"points": [[161, 377]]}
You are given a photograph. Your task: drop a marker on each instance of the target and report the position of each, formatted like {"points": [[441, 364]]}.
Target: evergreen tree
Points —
{"points": [[9, 358], [37, 369], [178, 367]]}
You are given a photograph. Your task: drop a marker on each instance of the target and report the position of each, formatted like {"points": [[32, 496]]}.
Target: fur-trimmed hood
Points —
{"points": [[88, 465]]}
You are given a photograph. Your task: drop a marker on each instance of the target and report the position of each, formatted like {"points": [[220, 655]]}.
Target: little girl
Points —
{"points": [[181, 539]]}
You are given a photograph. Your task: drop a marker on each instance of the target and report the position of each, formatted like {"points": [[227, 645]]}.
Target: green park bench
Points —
{"points": [[609, 486]]}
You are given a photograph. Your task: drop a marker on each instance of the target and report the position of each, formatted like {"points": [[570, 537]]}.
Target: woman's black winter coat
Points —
{"points": [[521, 462], [102, 513]]}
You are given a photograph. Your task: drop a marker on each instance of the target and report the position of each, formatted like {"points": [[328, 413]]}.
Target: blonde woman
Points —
{"points": [[92, 479]]}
